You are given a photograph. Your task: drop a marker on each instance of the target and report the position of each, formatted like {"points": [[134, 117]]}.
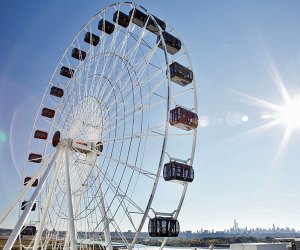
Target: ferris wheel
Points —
{"points": [[113, 142]]}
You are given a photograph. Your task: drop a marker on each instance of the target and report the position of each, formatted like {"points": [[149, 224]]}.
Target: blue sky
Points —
{"points": [[235, 46]]}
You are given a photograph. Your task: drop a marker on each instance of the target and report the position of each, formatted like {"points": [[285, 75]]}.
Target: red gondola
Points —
{"points": [[35, 158], [27, 179], [163, 227], [91, 38], [173, 44], [183, 119], [178, 171], [42, 135], [50, 113], [121, 19], [106, 26], [78, 54], [58, 92], [67, 72]]}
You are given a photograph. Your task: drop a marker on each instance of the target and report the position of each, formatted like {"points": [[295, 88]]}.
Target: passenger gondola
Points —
{"points": [[183, 119], [173, 44], [28, 230], [163, 227], [42, 135], [27, 179], [121, 18], [35, 158], [174, 170], [138, 17], [49, 113], [78, 54], [24, 203], [106, 26], [99, 147], [180, 74], [67, 72], [58, 92], [151, 26], [91, 38]]}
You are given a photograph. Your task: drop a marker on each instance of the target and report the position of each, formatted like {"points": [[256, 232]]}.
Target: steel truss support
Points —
{"points": [[17, 229], [23, 191], [107, 234], [49, 197]]}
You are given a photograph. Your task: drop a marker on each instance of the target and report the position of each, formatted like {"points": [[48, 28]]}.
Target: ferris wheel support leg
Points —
{"points": [[71, 219], [103, 212], [22, 193], [17, 229], [107, 234], [49, 197], [67, 237]]}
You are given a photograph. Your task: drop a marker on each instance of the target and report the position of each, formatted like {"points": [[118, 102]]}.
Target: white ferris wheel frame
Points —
{"points": [[44, 170]]}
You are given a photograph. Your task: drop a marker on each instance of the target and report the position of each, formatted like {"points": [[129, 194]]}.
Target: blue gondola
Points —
{"points": [[173, 44], [163, 227], [181, 74], [174, 170]]}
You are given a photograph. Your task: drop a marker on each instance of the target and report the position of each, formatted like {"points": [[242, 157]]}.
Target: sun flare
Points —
{"points": [[290, 113], [286, 114]]}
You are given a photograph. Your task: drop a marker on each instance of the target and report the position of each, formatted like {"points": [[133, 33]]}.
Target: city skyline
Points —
{"points": [[246, 59]]}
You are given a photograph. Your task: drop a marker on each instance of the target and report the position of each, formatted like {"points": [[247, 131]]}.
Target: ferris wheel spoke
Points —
{"points": [[137, 135], [126, 212], [121, 52], [109, 48], [91, 59], [134, 51], [182, 93], [131, 55], [134, 111], [145, 98], [118, 230], [120, 233], [145, 58], [104, 49], [53, 101], [143, 62], [139, 87], [131, 202], [133, 167], [118, 192]]}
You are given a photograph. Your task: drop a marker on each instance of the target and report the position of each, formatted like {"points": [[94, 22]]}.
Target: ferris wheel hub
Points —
{"points": [[82, 146]]}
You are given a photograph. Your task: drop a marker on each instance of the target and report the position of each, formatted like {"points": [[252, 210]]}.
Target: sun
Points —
{"points": [[290, 113], [286, 114]]}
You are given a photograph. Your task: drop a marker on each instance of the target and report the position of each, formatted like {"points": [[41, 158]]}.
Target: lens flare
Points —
{"points": [[290, 113], [245, 118], [3, 137]]}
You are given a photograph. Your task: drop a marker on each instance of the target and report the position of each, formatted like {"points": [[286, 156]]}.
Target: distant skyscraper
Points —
{"points": [[235, 226]]}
